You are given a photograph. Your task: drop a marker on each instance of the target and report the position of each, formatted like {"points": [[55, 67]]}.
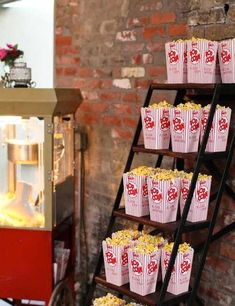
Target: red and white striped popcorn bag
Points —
{"points": [[156, 127], [116, 263], [135, 195], [201, 62], [180, 275], [218, 137], [176, 62], [163, 199], [200, 201], [227, 60], [143, 271], [185, 129]]}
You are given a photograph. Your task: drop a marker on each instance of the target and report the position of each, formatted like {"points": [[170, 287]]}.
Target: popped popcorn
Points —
{"points": [[183, 247], [108, 300], [189, 105], [142, 170], [119, 240], [150, 239], [161, 104], [144, 248], [207, 107], [127, 233], [189, 176]]}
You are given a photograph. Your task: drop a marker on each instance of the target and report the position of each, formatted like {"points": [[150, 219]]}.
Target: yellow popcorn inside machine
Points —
{"points": [[36, 185]]}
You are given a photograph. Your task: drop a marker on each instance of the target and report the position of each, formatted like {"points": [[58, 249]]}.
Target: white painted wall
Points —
{"points": [[30, 24]]}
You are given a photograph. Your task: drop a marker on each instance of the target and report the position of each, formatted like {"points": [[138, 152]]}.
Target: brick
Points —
{"points": [[227, 250], [59, 71], [130, 97], [90, 95], [136, 59], [149, 33], [121, 133], [120, 109], [105, 84], [129, 122], [70, 71], [65, 60], [102, 72], [219, 297], [111, 120], [157, 5], [177, 30], [147, 58], [156, 71], [215, 15], [155, 46], [109, 96], [108, 27], [217, 264], [87, 84], [231, 14], [218, 32], [122, 83], [132, 72], [93, 107], [134, 47], [138, 22], [163, 17], [88, 118], [126, 36], [84, 72], [63, 40], [143, 84]]}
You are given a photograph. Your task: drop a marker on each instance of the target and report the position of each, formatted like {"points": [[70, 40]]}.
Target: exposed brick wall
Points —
{"points": [[111, 50]]}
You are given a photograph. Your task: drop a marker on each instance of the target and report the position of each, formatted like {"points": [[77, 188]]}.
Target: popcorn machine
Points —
{"points": [[36, 187]]}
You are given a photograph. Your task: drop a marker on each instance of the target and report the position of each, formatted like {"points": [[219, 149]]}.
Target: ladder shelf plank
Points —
{"points": [[150, 299], [167, 152], [166, 227]]}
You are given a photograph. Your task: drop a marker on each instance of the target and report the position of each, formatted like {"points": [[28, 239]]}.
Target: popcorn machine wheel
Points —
{"points": [[62, 295], [37, 193]]}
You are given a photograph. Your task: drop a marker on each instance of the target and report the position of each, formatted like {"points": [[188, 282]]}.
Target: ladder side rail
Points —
{"points": [[209, 164], [225, 230], [212, 223], [118, 199], [190, 194]]}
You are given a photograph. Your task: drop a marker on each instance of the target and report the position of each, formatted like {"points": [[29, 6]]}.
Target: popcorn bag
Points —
{"points": [[200, 201], [180, 276], [227, 60], [185, 129], [176, 62], [156, 127], [116, 263], [143, 271], [218, 137], [135, 195], [201, 62], [163, 199]]}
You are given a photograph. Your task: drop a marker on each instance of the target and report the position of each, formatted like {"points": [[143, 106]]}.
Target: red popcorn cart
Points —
{"points": [[36, 190]]}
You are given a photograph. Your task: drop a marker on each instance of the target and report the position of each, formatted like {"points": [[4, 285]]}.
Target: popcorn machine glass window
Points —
{"points": [[63, 171], [22, 172]]}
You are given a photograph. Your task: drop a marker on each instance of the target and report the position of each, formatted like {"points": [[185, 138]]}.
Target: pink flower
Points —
{"points": [[10, 46], [3, 54]]}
